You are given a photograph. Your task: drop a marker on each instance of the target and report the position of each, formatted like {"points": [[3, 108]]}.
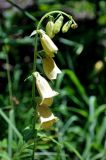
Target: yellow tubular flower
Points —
{"points": [[43, 87], [48, 45], [50, 68], [47, 118]]}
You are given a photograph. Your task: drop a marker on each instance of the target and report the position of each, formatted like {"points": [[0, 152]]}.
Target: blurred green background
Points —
{"points": [[80, 133]]}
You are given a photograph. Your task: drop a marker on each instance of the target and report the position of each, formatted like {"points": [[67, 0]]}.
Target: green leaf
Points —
{"points": [[29, 134]]}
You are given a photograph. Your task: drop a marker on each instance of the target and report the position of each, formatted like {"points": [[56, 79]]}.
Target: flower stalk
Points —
{"points": [[11, 111], [46, 93]]}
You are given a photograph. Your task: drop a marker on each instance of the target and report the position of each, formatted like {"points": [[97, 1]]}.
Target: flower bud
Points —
{"points": [[50, 68], [49, 47], [74, 25], [49, 29], [43, 87], [99, 66], [66, 26], [58, 24], [47, 118]]}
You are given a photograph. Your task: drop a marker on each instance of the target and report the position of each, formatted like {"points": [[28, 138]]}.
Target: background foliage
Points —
{"points": [[80, 133]]}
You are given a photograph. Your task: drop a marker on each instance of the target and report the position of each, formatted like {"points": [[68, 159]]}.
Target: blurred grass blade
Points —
{"points": [[91, 124], [102, 131], [53, 140], [78, 46], [4, 156], [80, 112], [49, 138], [72, 149], [71, 94], [98, 156], [87, 148], [9, 122], [10, 132], [92, 106], [100, 110], [59, 80], [78, 85], [18, 41], [68, 123], [22, 10]]}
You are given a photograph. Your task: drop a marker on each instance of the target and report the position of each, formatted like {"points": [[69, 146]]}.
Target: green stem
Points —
{"points": [[33, 96], [53, 12], [11, 112], [9, 81], [34, 69]]}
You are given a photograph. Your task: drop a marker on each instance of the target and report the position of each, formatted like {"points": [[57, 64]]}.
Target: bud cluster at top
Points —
{"points": [[54, 27]]}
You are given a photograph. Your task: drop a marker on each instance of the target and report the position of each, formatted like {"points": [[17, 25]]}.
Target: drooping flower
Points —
{"points": [[43, 87], [50, 68], [48, 45], [47, 118]]}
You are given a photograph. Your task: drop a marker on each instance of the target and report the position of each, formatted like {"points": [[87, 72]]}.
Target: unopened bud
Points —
{"points": [[98, 66], [74, 25], [50, 28], [58, 24], [66, 26]]}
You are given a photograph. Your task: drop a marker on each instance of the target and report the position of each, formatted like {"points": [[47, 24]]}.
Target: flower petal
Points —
{"points": [[47, 102], [50, 68]]}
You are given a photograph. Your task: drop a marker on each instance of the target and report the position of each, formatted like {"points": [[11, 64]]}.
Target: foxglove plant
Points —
{"points": [[46, 93], [51, 70]]}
